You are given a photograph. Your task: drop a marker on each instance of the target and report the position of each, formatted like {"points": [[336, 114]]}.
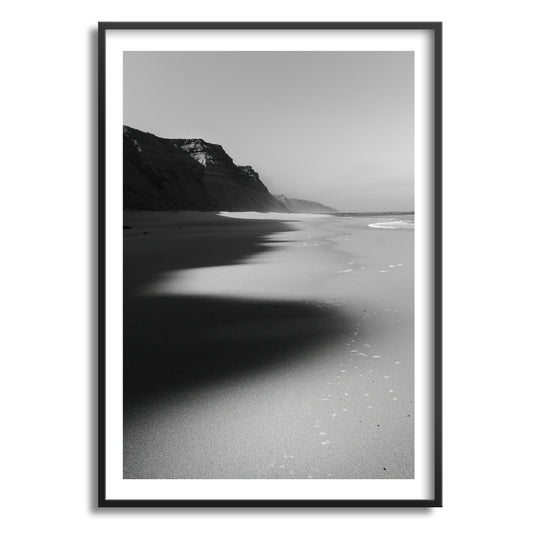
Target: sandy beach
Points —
{"points": [[274, 347]]}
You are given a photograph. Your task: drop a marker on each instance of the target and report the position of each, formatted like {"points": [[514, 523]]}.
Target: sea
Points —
{"points": [[392, 220]]}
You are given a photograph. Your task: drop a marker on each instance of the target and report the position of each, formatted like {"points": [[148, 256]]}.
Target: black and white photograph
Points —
{"points": [[269, 213], [268, 265]]}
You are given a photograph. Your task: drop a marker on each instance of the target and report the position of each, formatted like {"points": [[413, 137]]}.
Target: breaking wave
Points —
{"points": [[394, 224]]}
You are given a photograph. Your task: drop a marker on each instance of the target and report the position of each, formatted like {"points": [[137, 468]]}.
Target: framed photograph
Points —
{"points": [[270, 264]]}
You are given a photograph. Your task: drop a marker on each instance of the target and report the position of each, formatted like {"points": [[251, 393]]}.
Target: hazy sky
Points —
{"points": [[334, 127]]}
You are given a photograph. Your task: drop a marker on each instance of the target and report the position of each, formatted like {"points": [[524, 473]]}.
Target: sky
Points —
{"points": [[332, 127]]}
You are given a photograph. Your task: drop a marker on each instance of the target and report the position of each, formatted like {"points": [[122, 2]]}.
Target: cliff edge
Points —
{"points": [[189, 174]]}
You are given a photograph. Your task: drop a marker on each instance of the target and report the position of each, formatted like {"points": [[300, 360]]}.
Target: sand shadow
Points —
{"points": [[178, 343]]}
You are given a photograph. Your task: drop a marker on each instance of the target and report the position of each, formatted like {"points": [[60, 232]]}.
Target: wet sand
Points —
{"points": [[267, 348]]}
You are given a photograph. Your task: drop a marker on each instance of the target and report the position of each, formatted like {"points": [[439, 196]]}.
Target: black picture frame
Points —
{"points": [[436, 29]]}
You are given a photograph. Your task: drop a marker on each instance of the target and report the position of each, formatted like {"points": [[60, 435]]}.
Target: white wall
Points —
{"points": [[47, 129]]}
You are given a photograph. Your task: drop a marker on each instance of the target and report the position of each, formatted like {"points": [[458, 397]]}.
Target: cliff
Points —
{"points": [[304, 206], [189, 174]]}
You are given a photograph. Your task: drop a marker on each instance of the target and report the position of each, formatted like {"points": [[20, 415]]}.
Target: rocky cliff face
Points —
{"points": [[304, 206], [189, 174]]}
